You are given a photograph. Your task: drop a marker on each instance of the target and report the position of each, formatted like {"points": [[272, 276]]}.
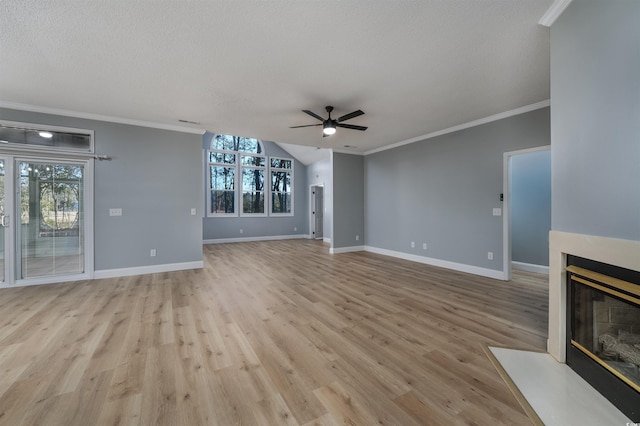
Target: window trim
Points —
{"points": [[242, 191], [291, 186], [46, 148], [238, 184], [234, 165], [238, 197]]}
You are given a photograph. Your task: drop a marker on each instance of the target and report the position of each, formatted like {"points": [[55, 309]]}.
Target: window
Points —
{"points": [[281, 185], [253, 169], [233, 159], [222, 174], [265, 184], [51, 138]]}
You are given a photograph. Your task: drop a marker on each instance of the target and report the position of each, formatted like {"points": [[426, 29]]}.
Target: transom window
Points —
{"points": [[237, 172]]}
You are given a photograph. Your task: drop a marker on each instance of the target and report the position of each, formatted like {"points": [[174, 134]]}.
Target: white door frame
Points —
{"points": [[10, 279], [506, 213]]}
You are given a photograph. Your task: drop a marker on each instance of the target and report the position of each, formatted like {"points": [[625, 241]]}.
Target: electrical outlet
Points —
{"points": [[424, 246], [193, 211], [295, 228], [413, 244], [357, 237], [152, 253], [490, 255], [241, 231]]}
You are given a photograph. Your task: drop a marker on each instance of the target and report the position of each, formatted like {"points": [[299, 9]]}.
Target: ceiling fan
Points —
{"points": [[329, 125]]}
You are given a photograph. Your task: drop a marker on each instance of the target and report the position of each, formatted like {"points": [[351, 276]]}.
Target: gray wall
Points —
{"points": [[442, 191], [530, 207], [320, 173], [154, 177], [270, 226], [595, 132], [348, 200]]}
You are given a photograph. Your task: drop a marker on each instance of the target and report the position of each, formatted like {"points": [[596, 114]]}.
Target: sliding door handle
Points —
{"points": [[4, 221]]}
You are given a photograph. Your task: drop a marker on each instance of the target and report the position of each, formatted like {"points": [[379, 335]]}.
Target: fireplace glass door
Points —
{"points": [[605, 327]]}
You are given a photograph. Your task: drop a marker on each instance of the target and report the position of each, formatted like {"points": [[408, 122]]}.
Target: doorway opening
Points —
{"points": [[317, 212], [526, 210], [46, 205]]}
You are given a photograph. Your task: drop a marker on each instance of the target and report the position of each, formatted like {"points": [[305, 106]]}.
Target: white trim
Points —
{"points": [[249, 239], [554, 11], [151, 269], [506, 211], [496, 117], [237, 174], [240, 177], [346, 249], [326, 240], [461, 267], [48, 280], [270, 192], [530, 267], [11, 276], [89, 221], [617, 252], [99, 117]]}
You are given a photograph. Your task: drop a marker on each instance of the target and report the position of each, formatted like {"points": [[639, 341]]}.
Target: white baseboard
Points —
{"points": [[345, 249], [151, 269], [530, 267], [461, 267], [248, 239], [326, 240]]}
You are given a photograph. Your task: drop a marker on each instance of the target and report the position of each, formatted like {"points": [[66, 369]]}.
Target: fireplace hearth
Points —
{"points": [[603, 330]]}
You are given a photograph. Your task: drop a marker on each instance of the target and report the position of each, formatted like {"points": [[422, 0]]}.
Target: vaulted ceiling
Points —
{"points": [[249, 67]]}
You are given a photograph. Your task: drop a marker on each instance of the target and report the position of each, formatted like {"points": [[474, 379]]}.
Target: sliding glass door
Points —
{"points": [[50, 235], [42, 207], [3, 220]]}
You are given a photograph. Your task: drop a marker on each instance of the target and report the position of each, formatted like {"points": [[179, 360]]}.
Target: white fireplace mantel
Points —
{"points": [[622, 253]]}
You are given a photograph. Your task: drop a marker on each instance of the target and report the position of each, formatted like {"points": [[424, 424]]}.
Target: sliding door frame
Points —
{"points": [[11, 278]]}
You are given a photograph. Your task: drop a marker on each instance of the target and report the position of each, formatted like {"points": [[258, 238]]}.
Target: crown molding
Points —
{"points": [[496, 117], [554, 11], [99, 117]]}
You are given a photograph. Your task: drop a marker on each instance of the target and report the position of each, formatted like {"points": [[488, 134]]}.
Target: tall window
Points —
{"points": [[243, 182], [222, 178], [253, 168], [281, 185]]}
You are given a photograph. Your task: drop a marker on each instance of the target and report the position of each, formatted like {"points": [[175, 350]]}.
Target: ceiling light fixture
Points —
{"points": [[329, 127], [46, 135]]}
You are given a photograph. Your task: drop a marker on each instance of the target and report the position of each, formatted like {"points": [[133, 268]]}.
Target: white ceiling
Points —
{"points": [[248, 67]]}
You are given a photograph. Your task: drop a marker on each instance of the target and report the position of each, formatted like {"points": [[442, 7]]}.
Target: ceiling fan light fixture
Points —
{"points": [[328, 128]]}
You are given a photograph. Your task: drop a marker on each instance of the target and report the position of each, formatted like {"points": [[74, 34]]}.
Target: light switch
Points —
{"points": [[115, 212], [497, 211]]}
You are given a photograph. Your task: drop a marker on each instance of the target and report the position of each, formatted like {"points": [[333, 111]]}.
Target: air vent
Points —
{"points": [[189, 122]]}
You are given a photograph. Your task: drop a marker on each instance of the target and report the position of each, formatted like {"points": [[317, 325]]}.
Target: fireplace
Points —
{"points": [[562, 245], [603, 330]]}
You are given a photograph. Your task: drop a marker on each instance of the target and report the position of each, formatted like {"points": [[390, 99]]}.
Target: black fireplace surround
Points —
{"points": [[603, 330]]}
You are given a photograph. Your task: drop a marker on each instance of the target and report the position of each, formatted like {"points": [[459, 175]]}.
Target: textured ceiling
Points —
{"points": [[248, 67]]}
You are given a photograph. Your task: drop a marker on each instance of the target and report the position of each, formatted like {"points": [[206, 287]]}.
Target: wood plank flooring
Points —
{"points": [[268, 333]]}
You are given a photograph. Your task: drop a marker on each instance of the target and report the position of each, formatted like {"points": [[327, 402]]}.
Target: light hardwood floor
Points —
{"points": [[268, 333]]}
